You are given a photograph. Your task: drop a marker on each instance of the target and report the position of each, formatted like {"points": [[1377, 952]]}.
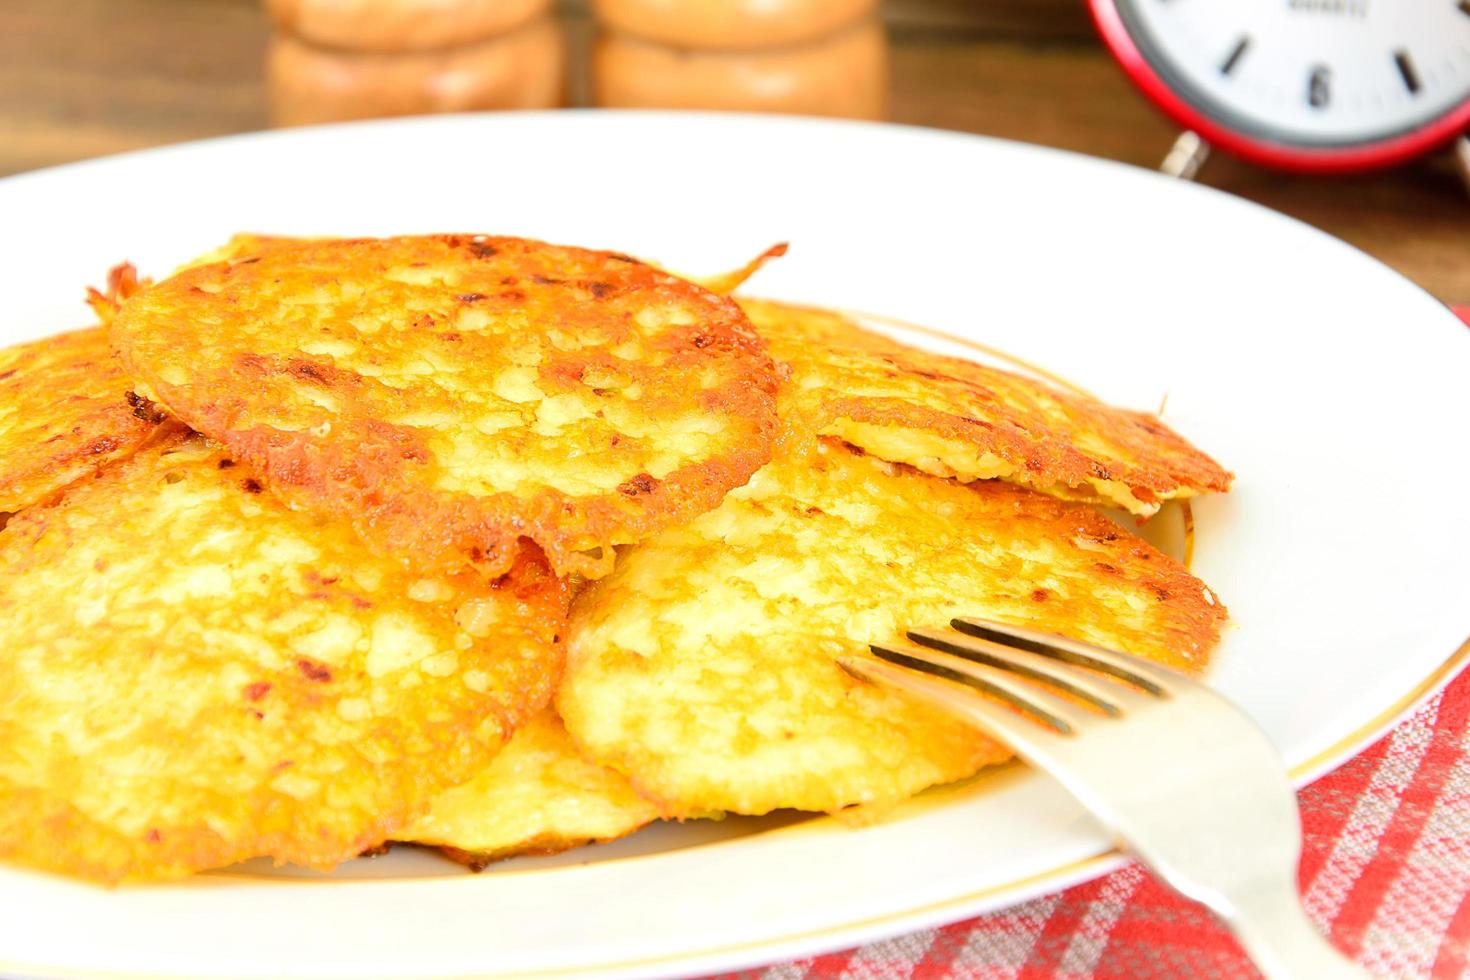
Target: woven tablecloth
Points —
{"points": [[1385, 870]]}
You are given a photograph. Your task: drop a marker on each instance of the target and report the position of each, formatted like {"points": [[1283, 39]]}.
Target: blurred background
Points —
{"points": [[83, 78]]}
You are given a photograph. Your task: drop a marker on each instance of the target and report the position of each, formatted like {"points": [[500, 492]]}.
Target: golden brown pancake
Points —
{"points": [[539, 796], [194, 675], [955, 418], [454, 396], [705, 668], [66, 410]]}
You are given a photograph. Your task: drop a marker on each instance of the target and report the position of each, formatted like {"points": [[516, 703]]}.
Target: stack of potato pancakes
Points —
{"points": [[504, 547]]}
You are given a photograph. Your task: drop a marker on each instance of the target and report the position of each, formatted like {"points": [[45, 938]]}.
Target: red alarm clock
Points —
{"points": [[1308, 85]]}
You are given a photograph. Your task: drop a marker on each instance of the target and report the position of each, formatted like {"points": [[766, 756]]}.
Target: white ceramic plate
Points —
{"points": [[1335, 389]]}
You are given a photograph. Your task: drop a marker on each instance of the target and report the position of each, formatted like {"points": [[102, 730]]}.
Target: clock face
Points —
{"points": [[1310, 73]]}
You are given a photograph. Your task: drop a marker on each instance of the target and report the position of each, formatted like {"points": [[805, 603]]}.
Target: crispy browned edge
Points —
{"points": [[1171, 461], [101, 431]]}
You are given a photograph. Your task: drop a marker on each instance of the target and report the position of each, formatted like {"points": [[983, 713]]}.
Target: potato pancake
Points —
{"points": [[453, 396], [955, 418], [191, 674], [539, 796], [66, 410], [704, 666]]}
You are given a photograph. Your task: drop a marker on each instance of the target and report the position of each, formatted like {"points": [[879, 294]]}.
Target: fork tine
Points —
{"points": [[1064, 716], [1105, 693], [1017, 731], [1156, 680]]}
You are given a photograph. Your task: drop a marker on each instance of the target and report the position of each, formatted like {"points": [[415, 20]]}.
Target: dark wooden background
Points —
{"points": [[82, 78]]}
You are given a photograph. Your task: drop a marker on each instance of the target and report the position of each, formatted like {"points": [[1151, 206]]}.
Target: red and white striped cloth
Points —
{"points": [[1385, 871]]}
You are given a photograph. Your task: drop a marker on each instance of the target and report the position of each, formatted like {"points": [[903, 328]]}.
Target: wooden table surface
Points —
{"points": [[82, 78]]}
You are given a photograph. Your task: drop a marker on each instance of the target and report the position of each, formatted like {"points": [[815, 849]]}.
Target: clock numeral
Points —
{"points": [[1228, 65], [1406, 70], [1319, 87]]}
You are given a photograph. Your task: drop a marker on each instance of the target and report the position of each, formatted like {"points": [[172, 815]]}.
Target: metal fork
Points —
{"points": [[1184, 781]]}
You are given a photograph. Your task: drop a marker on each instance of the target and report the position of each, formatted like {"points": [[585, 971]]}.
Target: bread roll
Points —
{"points": [[521, 70], [400, 25], [844, 75], [730, 24]]}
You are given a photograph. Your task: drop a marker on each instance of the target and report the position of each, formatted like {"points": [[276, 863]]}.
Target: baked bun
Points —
{"points": [[401, 25], [727, 24], [844, 75], [524, 69]]}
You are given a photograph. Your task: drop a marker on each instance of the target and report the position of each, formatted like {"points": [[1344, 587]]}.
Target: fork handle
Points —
{"points": [[1275, 931]]}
